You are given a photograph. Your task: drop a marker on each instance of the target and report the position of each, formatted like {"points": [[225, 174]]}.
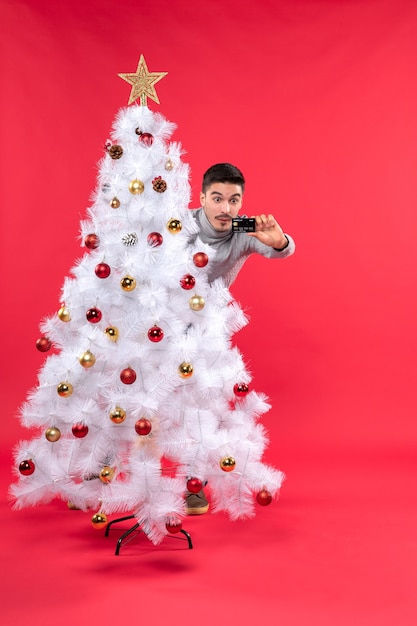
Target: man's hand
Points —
{"points": [[269, 232]]}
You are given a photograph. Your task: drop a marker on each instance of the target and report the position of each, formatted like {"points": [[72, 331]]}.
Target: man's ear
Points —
{"points": [[202, 198]]}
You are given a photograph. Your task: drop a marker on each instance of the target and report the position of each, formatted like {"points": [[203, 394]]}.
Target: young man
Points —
{"points": [[221, 200]]}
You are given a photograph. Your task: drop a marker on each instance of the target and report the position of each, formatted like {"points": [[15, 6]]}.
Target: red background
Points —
{"points": [[316, 101]]}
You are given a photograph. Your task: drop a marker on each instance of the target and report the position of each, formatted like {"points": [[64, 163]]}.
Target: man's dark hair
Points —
{"points": [[223, 173]]}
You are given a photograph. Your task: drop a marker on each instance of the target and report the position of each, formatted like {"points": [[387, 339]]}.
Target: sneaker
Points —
{"points": [[196, 503]]}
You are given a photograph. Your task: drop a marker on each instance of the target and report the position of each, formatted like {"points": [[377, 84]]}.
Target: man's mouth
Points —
{"points": [[223, 218]]}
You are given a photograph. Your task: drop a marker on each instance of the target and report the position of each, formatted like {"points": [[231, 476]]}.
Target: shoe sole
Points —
{"points": [[198, 510]]}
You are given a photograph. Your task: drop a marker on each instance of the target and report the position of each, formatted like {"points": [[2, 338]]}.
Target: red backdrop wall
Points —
{"points": [[316, 101]]}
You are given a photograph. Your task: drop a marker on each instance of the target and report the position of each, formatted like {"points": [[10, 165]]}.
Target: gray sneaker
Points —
{"points": [[196, 503]]}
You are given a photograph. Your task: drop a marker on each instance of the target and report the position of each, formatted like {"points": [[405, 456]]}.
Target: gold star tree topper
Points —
{"points": [[143, 83]]}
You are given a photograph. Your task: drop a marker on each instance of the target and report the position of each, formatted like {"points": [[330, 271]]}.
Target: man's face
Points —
{"points": [[221, 203]]}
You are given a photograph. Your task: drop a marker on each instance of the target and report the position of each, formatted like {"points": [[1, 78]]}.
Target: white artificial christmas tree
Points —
{"points": [[144, 393]]}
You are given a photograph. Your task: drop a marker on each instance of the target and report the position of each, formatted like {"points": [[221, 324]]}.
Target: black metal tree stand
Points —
{"points": [[126, 536]]}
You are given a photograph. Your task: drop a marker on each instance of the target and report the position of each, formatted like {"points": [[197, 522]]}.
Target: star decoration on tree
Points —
{"points": [[143, 83]]}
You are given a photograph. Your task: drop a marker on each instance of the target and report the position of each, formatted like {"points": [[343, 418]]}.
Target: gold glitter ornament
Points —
{"points": [[64, 390], [196, 303], [174, 226], [136, 187], [107, 474], [128, 283], [185, 370], [228, 464], [87, 359], [118, 415], [64, 314], [115, 203], [53, 434], [99, 520], [143, 83], [169, 165], [112, 333]]}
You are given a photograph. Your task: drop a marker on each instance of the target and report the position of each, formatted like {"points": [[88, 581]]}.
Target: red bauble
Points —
{"points": [[102, 270], [80, 430], [187, 281], [155, 239], [27, 467], [143, 426], [200, 259], [128, 376], [194, 485], [241, 389], [91, 241], [43, 344], [93, 315], [155, 334], [146, 139], [174, 527], [263, 497]]}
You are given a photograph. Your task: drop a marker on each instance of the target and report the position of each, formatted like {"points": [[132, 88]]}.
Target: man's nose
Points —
{"points": [[226, 207]]}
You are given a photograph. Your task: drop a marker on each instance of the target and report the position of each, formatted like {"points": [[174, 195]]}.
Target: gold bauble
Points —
{"points": [[118, 415], [99, 520], [185, 370], [115, 203], [174, 226], [196, 303], [112, 333], [169, 165], [64, 314], [128, 283], [136, 187], [228, 464], [52, 433], [106, 474], [87, 359], [64, 390]]}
